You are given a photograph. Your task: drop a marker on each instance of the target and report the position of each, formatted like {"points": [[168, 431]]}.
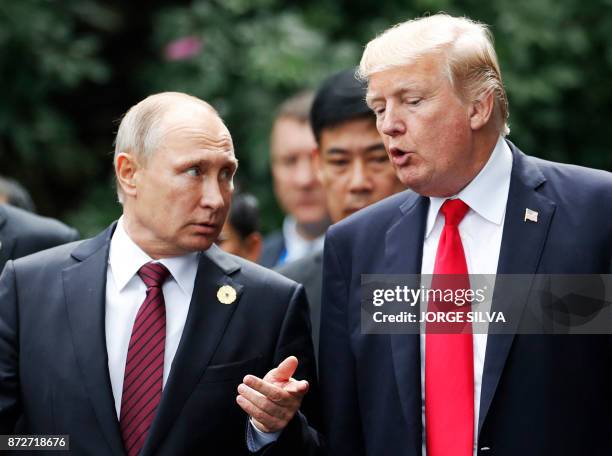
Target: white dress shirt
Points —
{"points": [[125, 292], [295, 245], [481, 235]]}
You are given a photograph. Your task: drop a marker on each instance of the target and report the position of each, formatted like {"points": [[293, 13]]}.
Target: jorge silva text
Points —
{"points": [[440, 317]]}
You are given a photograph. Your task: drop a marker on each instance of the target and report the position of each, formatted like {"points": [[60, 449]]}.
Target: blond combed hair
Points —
{"points": [[470, 59]]}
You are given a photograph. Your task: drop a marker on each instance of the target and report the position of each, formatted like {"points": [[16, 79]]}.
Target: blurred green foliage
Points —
{"points": [[70, 69]]}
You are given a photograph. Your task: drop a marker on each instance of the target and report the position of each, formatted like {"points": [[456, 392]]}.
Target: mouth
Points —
{"points": [[399, 157], [206, 228]]}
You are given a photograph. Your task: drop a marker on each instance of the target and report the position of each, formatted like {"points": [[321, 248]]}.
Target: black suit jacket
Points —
{"points": [[541, 395], [308, 271], [273, 248], [54, 364], [23, 233]]}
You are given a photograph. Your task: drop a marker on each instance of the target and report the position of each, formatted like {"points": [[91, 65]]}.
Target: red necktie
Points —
{"points": [[449, 359], [144, 368]]}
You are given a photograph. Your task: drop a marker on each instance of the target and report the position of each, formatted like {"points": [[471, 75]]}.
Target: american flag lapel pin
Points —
{"points": [[531, 215]]}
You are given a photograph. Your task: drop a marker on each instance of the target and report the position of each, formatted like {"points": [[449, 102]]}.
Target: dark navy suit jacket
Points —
{"points": [[23, 233], [54, 364], [541, 395]]}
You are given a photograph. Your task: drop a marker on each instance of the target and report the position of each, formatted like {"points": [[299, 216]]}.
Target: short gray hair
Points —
{"points": [[471, 61]]}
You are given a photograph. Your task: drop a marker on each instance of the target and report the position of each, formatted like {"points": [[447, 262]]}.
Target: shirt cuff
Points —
{"points": [[257, 439]]}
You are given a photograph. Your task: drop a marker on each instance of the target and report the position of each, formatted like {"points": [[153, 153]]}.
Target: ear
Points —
{"points": [[253, 245], [125, 170], [481, 111], [317, 163]]}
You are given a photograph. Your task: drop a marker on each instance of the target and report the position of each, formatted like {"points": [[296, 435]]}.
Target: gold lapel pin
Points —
{"points": [[226, 294], [531, 215]]}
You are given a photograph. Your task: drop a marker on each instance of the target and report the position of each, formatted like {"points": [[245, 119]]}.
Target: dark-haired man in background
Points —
{"points": [[240, 234], [352, 166]]}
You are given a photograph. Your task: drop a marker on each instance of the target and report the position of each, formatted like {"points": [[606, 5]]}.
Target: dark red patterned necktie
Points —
{"points": [[144, 368], [449, 358]]}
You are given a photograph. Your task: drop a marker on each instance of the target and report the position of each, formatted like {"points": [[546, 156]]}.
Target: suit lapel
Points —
{"points": [[403, 253], [85, 291], [207, 320], [521, 249]]}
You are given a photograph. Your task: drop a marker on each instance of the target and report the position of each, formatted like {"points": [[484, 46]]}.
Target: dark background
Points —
{"points": [[70, 69]]}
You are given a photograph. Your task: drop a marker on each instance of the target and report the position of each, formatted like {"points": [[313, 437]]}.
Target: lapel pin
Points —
{"points": [[531, 215], [226, 294]]}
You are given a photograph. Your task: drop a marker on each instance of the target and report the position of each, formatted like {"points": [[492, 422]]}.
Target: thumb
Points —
{"points": [[285, 370]]}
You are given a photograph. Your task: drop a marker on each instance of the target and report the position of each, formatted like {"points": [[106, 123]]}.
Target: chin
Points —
{"points": [[198, 245]]}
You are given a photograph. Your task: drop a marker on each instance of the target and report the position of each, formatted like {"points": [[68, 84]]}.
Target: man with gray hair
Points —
{"points": [[475, 205], [148, 339]]}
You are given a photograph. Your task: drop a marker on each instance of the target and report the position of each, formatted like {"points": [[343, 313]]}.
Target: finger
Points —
{"points": [[285, 370], [263, 421], [272, 392], [262, 402], [297, 388]]}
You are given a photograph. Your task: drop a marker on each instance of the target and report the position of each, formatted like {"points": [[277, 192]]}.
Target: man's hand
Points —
{"points": [[273, 401]]}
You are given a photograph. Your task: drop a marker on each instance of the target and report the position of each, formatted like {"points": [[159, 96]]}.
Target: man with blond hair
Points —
{"points": [[475, 205], [148, 339]]}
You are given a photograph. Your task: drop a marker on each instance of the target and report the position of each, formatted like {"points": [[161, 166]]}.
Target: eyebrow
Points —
{"points": [[197, 161], [336, 151], [370, 99], [374, 148], [367, 150]]}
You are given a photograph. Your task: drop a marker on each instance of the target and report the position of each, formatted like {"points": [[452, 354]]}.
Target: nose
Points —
{"points": [[304, 173], [359, 180], [391, 123], [212, 195]]}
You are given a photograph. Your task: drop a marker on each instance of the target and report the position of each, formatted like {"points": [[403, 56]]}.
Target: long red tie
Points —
{"points": [[449, 359], [144, 368]]}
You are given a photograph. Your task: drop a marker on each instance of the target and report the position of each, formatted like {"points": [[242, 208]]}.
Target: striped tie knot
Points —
{"points": [[153, 274]]}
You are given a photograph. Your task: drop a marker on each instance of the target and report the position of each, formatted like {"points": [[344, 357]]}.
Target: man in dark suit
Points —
{"points": [[351, 164], [23, 233], [296, 187], [476, 204], [148, 339]]}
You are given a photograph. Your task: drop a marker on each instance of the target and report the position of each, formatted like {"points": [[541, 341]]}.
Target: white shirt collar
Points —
{"points": [[126, 258], [487, 193], [295, 244]]}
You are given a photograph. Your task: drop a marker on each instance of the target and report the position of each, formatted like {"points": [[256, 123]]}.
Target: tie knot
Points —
{"points": [[153, 274], [454, 210]]}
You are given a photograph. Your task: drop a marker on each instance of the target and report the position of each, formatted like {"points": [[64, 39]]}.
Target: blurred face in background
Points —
{"points": [[176, 201], [353, 167], [297, 189], [232, 242]]}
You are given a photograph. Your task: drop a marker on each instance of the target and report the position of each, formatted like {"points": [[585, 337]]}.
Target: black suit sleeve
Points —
{"points": [[10, 406], [299, 437], [342, 426]]}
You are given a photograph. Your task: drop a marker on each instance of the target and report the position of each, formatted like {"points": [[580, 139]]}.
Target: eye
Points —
{"points": [[413, 101], [380, 158], [290, 160], [226, 174], [378, 110], [338, 162], [194, 171]]}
